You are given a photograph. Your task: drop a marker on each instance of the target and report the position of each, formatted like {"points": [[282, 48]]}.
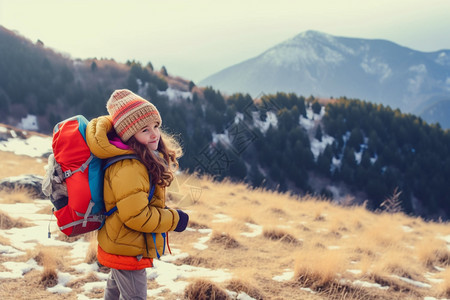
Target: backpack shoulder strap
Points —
{"points": [[113, 160]]}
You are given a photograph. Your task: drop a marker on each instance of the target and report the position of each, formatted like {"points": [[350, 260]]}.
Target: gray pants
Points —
{"points": [[126, 285]]}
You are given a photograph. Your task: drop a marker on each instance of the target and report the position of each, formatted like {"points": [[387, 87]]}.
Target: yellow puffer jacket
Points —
{"points": [[128, 231]]}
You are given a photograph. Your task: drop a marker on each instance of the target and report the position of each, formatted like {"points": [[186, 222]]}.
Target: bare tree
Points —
{"points": [[392, 204]]}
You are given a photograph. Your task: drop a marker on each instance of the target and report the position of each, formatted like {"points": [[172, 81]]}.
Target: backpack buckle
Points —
{"points": [[67, 174]]}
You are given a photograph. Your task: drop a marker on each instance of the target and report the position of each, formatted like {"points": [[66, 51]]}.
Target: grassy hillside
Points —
{"points": [[270, 245]]}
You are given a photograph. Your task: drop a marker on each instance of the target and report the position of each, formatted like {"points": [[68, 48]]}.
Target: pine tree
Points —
{"points": [[316, 107], [164, 71], [132, 84], [318, 135], [191, 85], [94, 66]]}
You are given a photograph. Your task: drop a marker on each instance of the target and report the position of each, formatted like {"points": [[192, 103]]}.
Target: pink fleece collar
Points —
{"points": [[116, 141]]}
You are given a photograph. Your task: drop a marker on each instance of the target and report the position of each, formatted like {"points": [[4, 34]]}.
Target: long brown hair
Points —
{"points": [[161, 168]]}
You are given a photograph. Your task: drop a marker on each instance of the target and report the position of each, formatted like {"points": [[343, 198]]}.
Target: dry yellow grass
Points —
{"points": [[258, 235], [316, 267], [433, 251], [91, 255], [49, 277], [277, 234], [203, 289], [11, 165], [17, 195], [244, 285], [331, 241], [6, 222], [4, 240], [444, 287], [29, 287], [50, 257], [397, 261], [78, 283]]}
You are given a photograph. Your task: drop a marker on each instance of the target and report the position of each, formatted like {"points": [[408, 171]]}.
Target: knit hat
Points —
{"points": [[130, 113]]}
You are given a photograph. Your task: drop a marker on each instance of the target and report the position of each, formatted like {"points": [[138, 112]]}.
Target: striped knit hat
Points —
{"points": [[130, 113]]}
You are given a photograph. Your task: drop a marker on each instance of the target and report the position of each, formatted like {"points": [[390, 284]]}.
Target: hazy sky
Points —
{"points": [[195, 38]]}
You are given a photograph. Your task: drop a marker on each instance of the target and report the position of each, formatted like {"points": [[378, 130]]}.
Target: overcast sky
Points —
{"points": [[196, 38]]}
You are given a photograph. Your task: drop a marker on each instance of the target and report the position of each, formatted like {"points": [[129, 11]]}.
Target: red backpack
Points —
{"points": [[74, 179]]}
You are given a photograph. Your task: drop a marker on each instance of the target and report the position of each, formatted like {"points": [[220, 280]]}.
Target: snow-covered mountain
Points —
{"points": [[322, 65]]}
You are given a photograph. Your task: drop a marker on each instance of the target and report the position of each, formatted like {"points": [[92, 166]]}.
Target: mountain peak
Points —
{"points": [[323, 65], [310, 36], [309, 47], [313, 34]]}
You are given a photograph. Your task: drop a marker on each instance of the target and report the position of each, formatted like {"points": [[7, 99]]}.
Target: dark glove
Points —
{"points": [[182, 223]]}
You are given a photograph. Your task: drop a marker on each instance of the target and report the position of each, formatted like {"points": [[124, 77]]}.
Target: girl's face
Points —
{"points": [[149, 135]]}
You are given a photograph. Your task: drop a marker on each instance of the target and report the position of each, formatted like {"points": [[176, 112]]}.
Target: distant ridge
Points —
{"points": [[323, 65]]}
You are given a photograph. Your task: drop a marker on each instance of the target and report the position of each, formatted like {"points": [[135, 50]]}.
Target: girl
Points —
{"points": [[135, 232]]}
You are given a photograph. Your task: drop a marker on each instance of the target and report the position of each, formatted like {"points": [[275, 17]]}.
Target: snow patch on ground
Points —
{"points": [[413, 282], [317, 147], [286, 276], [201, 242], [175, 95], [263, 126], [18, 269], [221, 218], [34, 146], [306, 123], [369, 284], [256, 230]]}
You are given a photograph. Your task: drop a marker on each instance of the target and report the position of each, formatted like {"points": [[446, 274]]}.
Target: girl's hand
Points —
{"points": [[182, 223]]}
